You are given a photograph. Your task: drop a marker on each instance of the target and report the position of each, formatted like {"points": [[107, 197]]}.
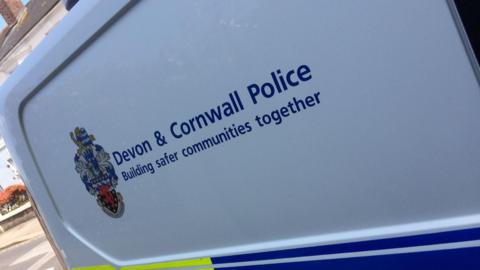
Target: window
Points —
{"points": [[469, 11]]}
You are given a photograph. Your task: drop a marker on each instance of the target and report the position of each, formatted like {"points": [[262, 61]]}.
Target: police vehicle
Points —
{"points": [[252, 135]]}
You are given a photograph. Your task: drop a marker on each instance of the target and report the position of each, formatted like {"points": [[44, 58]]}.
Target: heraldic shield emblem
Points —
{"points": [[97, 172]]}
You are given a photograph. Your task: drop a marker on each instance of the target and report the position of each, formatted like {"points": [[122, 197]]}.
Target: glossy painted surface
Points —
{"points": [[390, 146]]}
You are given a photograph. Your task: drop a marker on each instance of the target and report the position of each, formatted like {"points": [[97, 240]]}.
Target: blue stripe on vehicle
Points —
{"points": [[398, 242], [455, 259]]}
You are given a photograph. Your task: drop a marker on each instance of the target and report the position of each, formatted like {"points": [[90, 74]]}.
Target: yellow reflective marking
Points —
{"points": [[97, 267], [175, 264]]}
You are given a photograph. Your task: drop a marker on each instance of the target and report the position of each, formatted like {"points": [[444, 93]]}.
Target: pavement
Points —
{"points": [[35, 254], [21, 233], [25, 247]]}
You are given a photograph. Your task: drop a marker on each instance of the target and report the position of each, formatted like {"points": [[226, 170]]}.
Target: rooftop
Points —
{"points": [[30, 25]]}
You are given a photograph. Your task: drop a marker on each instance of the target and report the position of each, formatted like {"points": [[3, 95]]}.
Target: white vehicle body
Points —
{"points": [[252, 135]]}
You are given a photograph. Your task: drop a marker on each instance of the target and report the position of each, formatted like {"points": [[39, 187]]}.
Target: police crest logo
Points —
{"points": [[97, 173]]}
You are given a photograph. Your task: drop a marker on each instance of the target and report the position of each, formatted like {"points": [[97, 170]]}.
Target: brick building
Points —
{"points": [[26, 26]]}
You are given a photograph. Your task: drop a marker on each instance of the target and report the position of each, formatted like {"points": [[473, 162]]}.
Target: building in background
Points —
{"points": [[8, 173], [26, 26]]}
